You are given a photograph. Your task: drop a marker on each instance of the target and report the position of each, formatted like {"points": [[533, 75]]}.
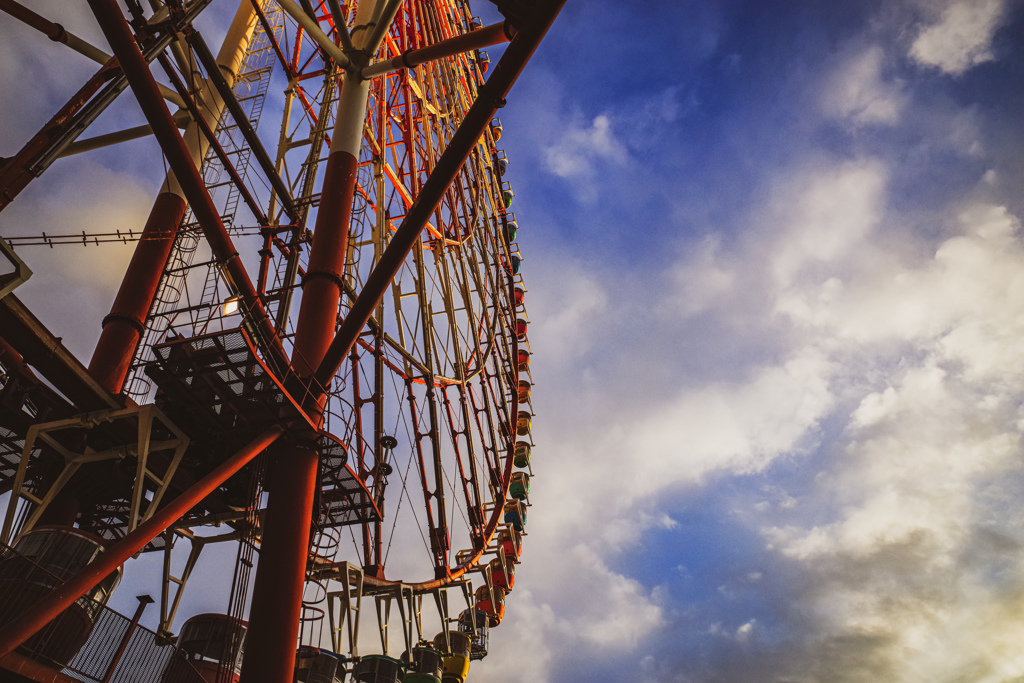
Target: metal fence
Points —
{"points": [[88, 641]]}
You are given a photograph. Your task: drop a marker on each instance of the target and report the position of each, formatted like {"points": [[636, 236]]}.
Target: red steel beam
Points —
{"points": [[54, 32], [15, 175], [47, 354], [47, 609], [490, 98], [474, 40], [126, 322], [136, 70], [277, 591]]}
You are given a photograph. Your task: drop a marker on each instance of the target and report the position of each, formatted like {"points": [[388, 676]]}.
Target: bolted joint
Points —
{"points": [[323, 275], [121, 318]]}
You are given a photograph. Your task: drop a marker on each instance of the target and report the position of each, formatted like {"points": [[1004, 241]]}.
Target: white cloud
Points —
{"points": [[826, 212], [929, 462], [744, 632], [580, 151], [701, 280], [962, 36], [595, 611], [582, 298], [857, 92], [916, 351], [73, 286]]}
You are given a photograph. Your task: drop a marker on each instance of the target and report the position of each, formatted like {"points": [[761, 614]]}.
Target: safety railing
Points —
{"points": [[88, 641]]}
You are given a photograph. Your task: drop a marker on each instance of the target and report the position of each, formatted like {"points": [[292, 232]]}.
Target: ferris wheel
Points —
{"points": [[321, 343]]}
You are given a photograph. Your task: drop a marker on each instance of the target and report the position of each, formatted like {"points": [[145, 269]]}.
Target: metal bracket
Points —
{"points": [[21, 272], [351, 603], [146, 415], [403, 595], [441, 600], [168, 605]]}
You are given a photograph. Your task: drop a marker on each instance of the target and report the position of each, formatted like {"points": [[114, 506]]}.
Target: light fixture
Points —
{"points": [[231, 306]]}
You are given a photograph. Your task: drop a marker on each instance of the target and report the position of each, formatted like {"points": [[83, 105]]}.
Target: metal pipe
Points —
{"points": [[490, 97], [136, 69], [314, 31], [340, 27], [17, 632], [474, 40], [75, 116], [124, 326], [269, 31], [383, 23], [53, 31], [225, 67], [59, 34], [321, 288], [277, 592], [100, 141], [210, 138]]}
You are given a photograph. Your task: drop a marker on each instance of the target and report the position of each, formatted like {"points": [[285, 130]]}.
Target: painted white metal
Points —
{"points": [[348, 126], [385, 15]]}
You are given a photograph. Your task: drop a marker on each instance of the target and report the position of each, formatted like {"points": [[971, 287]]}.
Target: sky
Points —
{"points": [[776, 290]]}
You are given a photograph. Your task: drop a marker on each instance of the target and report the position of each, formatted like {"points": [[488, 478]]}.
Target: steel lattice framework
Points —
{"points": [[320, 341]]}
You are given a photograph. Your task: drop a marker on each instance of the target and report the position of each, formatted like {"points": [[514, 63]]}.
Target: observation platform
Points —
{"points": [[220, 393]]}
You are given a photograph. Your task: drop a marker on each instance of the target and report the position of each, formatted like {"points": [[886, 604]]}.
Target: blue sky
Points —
{"points": [[776, 291], [773, 261]]}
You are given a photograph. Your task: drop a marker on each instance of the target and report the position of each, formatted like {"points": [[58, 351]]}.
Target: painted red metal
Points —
{"points": [[16, 174], [136, 69], [17, 632], [31, 670], [124, 325], [45, 352], [321, 291], [277, 592], [490, 98], [474, 40]]}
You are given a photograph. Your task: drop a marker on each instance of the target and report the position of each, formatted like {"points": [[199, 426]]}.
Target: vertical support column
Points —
{"points": [[124, 326], [273, 632], [321, 289], [277, 592], [490, 97]]}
